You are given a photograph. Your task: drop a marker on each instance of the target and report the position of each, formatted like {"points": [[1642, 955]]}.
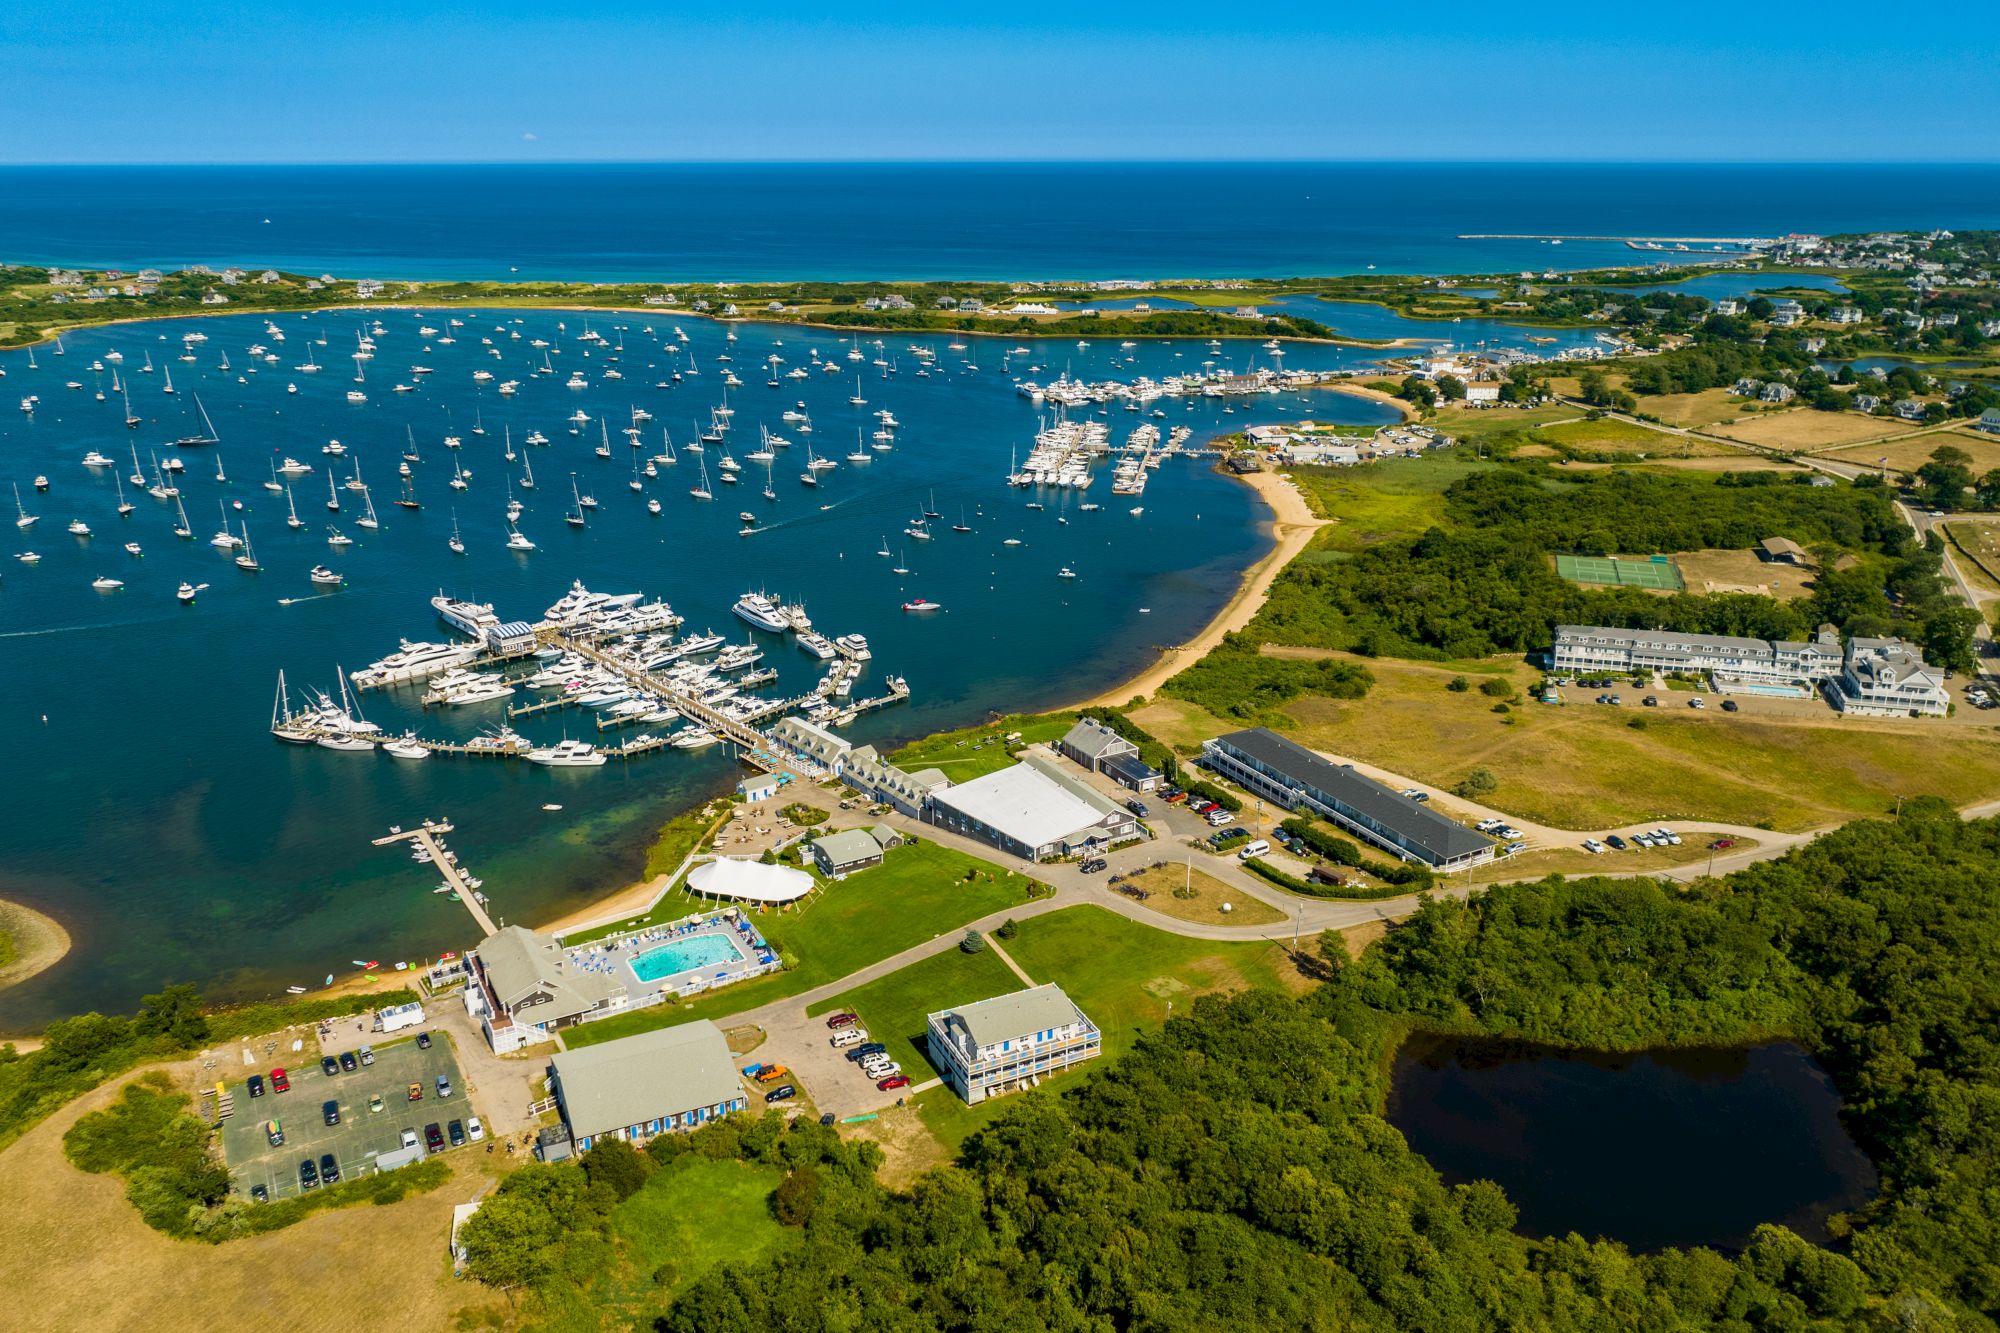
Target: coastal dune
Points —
{"points": [[39, 941]]}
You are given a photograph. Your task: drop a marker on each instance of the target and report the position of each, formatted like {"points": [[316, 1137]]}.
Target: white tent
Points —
{"points": [[749, 881]]}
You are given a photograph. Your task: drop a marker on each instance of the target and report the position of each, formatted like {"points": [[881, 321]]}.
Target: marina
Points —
{"points": [[990, 624]]}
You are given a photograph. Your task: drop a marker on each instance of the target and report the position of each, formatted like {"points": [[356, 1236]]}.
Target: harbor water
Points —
{"points": [[159, 821]]}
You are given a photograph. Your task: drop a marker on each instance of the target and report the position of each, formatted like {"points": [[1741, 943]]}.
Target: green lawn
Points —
{"points": [[1378, 500], [894, 1009], [977, 751], [698, 1213], [917, 892]]}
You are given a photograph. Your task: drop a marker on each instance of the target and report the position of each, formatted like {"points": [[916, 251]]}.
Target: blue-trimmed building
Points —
{"points": [[1010, 1041], [636, 1087], [1261, 761]]}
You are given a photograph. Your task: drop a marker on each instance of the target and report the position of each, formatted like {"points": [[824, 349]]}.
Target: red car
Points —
{"points": [[840, 1020], [279, 1083], [894, 1081]]}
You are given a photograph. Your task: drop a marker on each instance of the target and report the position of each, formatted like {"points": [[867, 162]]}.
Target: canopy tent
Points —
{"points": [[749, 881]]}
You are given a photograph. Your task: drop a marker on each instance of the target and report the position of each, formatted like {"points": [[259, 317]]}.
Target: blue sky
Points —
{"points": [[146, 81]]}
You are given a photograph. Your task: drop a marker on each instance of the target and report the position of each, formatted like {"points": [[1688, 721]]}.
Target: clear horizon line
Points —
{"points": [[1742, 163]]}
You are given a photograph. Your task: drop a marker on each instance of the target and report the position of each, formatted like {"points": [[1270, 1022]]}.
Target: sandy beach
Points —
{"points": [[40, 942], [1292, 525]]}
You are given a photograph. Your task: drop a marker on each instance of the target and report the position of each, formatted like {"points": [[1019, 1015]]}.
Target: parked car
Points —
{"points": [[308, 1175], [367, 1055], [258, 1194], [1612, 698], [423, 1041], [409, 1138], [455, 1131], [329, 1169], [1218, 818], [772, 1073], [348, 1064], [1511, 832], [783, 1094], [416, 1092], [1615, 842], [1095, 864], [1697, 703], [866, 1049], [374, 1102], [846, 1037], [280, 1082], [842, 1020], [1651, 701], [433, 1137], [473, 1129], [1515, 848], [256, 1085], [274, 1134], [1669, 835], [443, 1086], [330, 1112], [1593, 846], [894, 1081], [1721, 844], [329, 1066], [1729, 706], [1138, 808]]}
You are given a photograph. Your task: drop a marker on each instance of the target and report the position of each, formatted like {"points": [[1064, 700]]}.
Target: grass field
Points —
{"points": [[917, 892], [1611, 433], [1698, 411], [1205, 906], [1910, 454], [895, 1008], [1728, 571], [696, 1214], [1614, 570], [1978, 548], [1380, 500], [976, 751], [1583, 766], [1809, 430]]}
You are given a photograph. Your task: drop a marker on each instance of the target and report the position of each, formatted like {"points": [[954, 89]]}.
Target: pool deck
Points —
{"points": [[616, 954]]}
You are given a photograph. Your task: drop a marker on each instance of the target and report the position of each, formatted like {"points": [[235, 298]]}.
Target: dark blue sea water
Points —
{"points": [[1071, 220], [157, 818]]}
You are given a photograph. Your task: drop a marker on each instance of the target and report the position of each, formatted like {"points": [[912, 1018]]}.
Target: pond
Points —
{"points": [[1659, 1148]]}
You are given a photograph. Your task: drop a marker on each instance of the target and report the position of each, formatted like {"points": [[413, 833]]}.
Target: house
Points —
{"points": [[1866, 402], [1293, 777], [760, 787], [1887, 678], [1989, 421], [1747, 387], [1009, 1042], [524, 988], [1786, 313], [810, 741], [879, 780], [841, 854], [637, 1087], [1783, 550], [1483, 392], [1601, 650], [1909, 409], [1089, 743], [1777, 393], [1032, 810], [1729, 305], [1846, 314]]}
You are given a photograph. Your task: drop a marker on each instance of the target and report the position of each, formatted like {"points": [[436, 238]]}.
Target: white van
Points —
{"points": [[1255, 847]]}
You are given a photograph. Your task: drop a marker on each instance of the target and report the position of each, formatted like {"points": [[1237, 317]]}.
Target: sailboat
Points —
{"points": [[457, 543], [961, 525], [292, 519], [247, 559], [930, 507], [408, 500], [138, 477], [124, 506], [24, 519], [132, 421], [368, 520], [457, 481], [219, 477], [700, 489], [182, 529], [168, 387], [528, 473], [575, 516], [332, 497], [208, 435]]}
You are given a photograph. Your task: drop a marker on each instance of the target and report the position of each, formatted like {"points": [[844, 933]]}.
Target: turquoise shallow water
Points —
{"points": [[664, 960], [150, 810]]}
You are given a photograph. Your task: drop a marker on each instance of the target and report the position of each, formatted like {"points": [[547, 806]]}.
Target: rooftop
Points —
{"points": [[1028, 802], [518, 963], [849, 845], [1427, 830], [1093, 738], [1005, 1017], [637, 1079]]}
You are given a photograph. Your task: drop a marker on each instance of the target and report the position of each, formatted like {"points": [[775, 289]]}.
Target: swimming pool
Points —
{"points": [[688, 955]]}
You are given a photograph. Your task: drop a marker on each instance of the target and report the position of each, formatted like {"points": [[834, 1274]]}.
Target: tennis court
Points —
{"points": [[1658, 572]]}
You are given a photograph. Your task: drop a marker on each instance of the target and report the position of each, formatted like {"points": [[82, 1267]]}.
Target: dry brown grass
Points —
{"points": [[1908, 455], [74, 1254], [1808, 430], [1742, 571], [1695, 410], [1573, 861], [1164, 883]]}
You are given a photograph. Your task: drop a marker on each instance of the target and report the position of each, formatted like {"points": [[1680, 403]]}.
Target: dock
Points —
{"points": [[428, 836], [555, 705]]}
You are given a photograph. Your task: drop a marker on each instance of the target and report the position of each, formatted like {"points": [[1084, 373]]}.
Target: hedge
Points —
{"points": [[1311, 889], [1195, 787]]}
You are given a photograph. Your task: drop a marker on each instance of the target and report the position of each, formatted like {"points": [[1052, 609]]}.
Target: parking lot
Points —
{"points": [[361, 1135]]}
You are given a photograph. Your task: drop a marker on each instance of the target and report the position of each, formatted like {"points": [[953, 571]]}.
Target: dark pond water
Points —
{"points": [[1656, 1149]]}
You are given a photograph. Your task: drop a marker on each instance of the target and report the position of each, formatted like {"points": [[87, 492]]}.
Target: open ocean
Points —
{"points": [[153, 814], [914, 221]]}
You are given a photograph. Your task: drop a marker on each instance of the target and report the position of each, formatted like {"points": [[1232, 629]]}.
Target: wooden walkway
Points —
{"points": [[428, 837]]}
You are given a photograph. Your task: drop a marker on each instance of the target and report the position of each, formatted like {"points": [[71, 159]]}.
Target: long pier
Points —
{"points": [[427, 836]]}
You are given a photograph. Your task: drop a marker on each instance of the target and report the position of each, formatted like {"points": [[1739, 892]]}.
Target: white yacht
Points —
{"points": [[414, 662], [326, 577], [407, 746], [855, 646], [762, 612], [470, 618], [567, 754], [580, 601]]}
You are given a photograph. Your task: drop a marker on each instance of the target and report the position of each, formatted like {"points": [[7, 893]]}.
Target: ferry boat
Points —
{"points": [[762, 612]]}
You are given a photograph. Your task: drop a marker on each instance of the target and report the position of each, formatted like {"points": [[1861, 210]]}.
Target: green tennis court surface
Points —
{"points": [[1621, 570]]}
